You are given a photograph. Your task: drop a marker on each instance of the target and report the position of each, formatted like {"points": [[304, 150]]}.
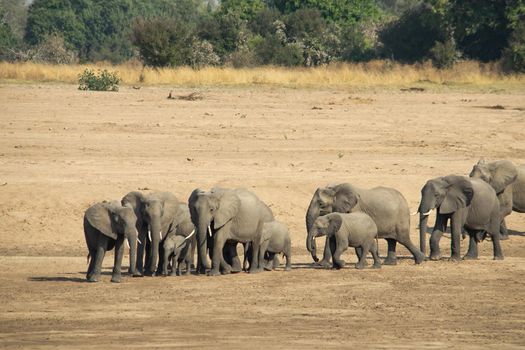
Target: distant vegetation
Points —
{"points": [[248, 33]]}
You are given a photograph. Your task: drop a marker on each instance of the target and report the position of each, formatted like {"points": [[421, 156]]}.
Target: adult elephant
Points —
{"points": [[508, 181], [158, 213], [106, 226], [227, 216], [386, 206], [470, 204]]}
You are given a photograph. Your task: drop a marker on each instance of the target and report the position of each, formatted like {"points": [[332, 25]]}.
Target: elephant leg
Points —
{"points": [[91, 267], [99, 257], [235, 260], [161, 259], [262, 252], [472, 253], [174, 258], [217, 257], [147, 258], [504, 233], [416, 253], [287, 254], [496, 245], [358, 252], [325, 262], [361, 263], [391, 258], [140, 255], [338, 246], [439, 227], [254, 264], [119, 253], [456, 227], [275, 261], [375, 254]]}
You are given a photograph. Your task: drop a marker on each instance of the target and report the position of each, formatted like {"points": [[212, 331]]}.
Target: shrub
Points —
{"points": [[100, 81], [202, 54], [444, 55], [53, 50], [514, 55]]}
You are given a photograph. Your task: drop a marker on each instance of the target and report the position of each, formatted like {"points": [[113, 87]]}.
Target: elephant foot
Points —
{"points": [[376, 266], [257, 270], [455, 258], [214, 273], [470, 257], [325, 264], [390, 261], [359, 266], [435, 257], [338, 264], [419, 259], [137, 274], [115, 279], [268, 268], [288, 268], [92, 279], [503, 237], [149, 274], [498, 257]]}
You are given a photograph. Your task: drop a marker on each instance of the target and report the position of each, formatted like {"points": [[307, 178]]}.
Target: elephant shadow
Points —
{"points": [[516, 233], [57, 279]]}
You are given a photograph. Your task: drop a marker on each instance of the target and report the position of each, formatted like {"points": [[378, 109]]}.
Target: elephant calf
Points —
{"points": [[275, 239], [106, 226], [177, 247], [356, 230]]}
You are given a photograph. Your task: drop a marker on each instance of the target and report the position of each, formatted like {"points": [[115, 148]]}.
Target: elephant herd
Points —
{"points": [[161, 231]]}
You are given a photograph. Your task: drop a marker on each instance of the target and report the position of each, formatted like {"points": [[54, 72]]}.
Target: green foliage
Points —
{"points": [[410, 38], [514, 55], [162, 42], [8, 41], [52, 50], [98, 81], [444, 55], [246, 9]]}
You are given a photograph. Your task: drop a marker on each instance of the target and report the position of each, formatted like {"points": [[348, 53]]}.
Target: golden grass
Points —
{"points": [[371, 74]]}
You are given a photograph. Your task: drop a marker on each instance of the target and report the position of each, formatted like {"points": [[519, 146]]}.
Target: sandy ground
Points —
{"points": [[62, 149]]}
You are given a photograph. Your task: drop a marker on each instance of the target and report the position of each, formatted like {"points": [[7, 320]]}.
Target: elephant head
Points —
{"points": [[209, 212], [114, 220], [327, 225], [448, 194], [499, 174], [339, 198]]}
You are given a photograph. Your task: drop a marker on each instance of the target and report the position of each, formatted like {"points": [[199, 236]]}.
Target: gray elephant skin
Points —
{"points": [[106, 226], [275, 239], [508, 181], [386, 206], [224, 217], [356, 230], [157, 213], [470, 204], [179, 245]]}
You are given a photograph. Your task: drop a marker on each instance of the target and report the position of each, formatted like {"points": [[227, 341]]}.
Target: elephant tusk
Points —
{"points": [[209, 230], [127, 243], [427, 213], [138, 240], [414, 213], [149, 234], [189, 236], [160, 235]]}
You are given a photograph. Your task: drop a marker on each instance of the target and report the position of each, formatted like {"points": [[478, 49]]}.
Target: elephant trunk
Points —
{"points": [[312, 214], [310, 245], [156, 237], [423, 220], [202, 245], [132, 240]]}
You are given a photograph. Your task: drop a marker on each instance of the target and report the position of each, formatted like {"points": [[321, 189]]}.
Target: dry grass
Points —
{"points": [[371, 74]]}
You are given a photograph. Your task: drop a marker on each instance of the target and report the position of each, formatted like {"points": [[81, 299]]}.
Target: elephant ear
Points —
{"points": [[191, 205], [99, 216], [345, 199], [334, 224], [503, 173], [459, 194], [229, 204]]}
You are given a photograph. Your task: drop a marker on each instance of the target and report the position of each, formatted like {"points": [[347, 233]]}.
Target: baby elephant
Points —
{"points": [[356, 230], [177, 247], [275, 239]]}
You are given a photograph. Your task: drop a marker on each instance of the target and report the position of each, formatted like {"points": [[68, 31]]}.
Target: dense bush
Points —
{"points": [[444, 55], [514, 55], [98, 81], [53, 50]]}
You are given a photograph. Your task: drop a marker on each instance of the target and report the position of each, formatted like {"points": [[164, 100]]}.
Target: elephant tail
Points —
{"points": [[88, 258]]}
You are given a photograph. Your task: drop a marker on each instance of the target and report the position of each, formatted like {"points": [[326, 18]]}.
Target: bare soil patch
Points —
{"points": [[62, 149]]}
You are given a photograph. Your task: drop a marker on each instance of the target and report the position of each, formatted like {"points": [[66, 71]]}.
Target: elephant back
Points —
{"points": [[249, 199], [388, 208], [483, 204]]}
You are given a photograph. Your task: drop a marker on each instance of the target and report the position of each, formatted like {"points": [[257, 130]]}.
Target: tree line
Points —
{"points": [[244, 33]]}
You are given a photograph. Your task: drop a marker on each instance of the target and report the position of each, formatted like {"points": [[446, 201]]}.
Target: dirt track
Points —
{"points": [[63, 149]]}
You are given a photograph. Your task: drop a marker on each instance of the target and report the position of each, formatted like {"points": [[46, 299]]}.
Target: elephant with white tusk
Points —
{"points": [[470, 204], [158, 214]]}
